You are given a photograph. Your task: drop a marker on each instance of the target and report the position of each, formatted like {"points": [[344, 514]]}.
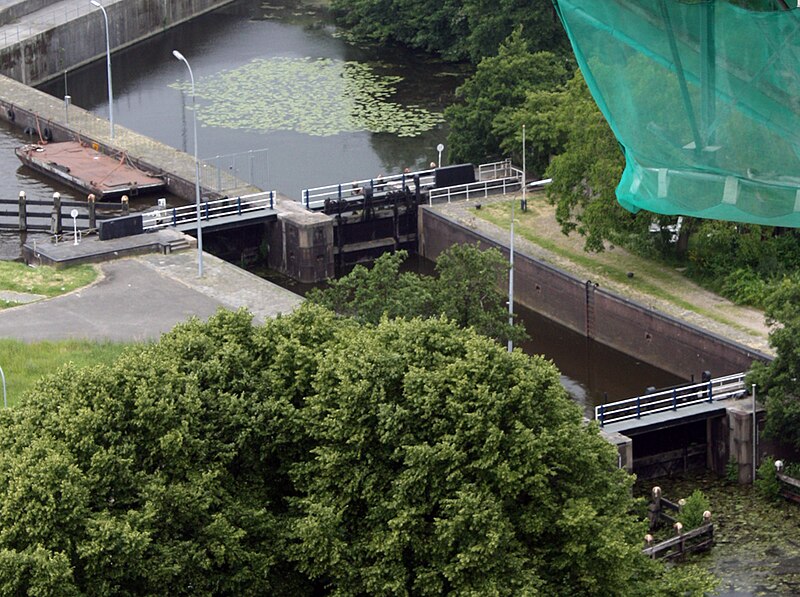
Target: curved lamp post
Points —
{"points": [[108, 68], [181, 57]]}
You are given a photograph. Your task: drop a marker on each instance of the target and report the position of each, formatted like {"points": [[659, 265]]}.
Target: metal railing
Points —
{"points": [[209, 210], [473, 190], [501, 169], [42, 21], [226, 172], [315, 198], [672, 399]]}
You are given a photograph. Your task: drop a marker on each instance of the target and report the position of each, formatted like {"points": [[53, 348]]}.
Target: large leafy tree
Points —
{"points": [[456, 30], [315, 455], [779, 379], [499, 86], [467, 288]]}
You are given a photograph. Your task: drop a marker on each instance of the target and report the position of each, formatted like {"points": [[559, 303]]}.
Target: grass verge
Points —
{"points": [[45, 280], [24, 364]]}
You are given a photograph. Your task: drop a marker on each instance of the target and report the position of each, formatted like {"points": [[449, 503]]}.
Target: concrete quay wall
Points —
{"points": [[653, 337], [45, 50]]}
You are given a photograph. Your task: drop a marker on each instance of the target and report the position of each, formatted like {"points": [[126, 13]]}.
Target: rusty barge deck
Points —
{"points": [[86, 169]]}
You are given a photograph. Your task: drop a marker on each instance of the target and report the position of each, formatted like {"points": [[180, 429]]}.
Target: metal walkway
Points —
{"points": [[496, 177], [681, 402], [218, 215]]}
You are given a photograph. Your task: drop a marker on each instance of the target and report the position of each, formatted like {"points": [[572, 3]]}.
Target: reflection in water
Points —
{"points": [[237, 34]]}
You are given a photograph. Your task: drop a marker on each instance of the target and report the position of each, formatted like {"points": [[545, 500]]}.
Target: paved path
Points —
{"points": [[141, 298]]}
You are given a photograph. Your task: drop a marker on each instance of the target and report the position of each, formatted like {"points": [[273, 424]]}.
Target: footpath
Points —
{"points": [[665, 289], [139, 298]]}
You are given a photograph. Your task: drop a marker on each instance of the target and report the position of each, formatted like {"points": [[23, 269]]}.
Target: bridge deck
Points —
{"points": [[668, 418], [231, 221]]}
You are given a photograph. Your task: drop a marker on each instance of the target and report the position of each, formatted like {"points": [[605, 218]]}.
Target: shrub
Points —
{"points": [[691, 515], [767, 483]]}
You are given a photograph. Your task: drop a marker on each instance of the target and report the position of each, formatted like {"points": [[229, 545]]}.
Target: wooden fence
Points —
{"points": [[661, 511], [25, 215]]}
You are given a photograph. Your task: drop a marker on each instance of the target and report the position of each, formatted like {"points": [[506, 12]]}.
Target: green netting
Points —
{"points": [[704, 97]]}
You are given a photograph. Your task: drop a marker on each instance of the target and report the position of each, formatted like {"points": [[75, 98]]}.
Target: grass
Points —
{"points": [[45, 280], [24, 364], [499, 215]]}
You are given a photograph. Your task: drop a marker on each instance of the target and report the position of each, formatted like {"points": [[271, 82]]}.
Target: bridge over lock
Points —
{"points": [[708, 424]]}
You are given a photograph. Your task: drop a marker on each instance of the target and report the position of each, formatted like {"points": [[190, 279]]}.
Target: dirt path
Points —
{"points": [[660, 287]]}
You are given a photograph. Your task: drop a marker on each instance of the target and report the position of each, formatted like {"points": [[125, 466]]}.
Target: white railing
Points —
{"points": [[672, 399], [502, 169], [474, 190], [209, 210], [315, 198]]}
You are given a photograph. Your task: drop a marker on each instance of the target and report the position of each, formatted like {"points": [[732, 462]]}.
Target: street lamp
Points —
{"points": [[511, 249], [181, 57], [108, 67]]}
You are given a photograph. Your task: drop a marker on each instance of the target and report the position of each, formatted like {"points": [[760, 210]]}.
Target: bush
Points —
{"points": [[744, 287], [691, 515], [767, 483]]}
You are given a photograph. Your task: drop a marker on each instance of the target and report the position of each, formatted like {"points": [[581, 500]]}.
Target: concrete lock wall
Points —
{"points": [[81, 40], [580, 305]]}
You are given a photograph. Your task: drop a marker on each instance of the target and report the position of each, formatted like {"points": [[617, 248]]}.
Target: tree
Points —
{"points": [[456, 30], [500, 85], [466, 290], [778, 379], [315, 455]]}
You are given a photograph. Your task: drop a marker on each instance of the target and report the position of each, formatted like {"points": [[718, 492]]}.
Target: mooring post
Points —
{"points": [[125, 206], [92, 205], [23, 212], [55, 217]]}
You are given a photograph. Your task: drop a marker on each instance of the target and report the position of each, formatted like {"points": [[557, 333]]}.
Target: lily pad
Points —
{"points": [[319, 97]]}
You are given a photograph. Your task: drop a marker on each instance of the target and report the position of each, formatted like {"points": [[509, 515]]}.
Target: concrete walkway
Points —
{"points": [[140, 298]]}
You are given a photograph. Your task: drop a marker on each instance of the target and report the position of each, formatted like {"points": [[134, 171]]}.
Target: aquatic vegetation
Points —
{"points": [[319, 97]]}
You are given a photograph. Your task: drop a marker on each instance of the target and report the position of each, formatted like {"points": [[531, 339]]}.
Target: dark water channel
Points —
{"points": [[261, 71]]}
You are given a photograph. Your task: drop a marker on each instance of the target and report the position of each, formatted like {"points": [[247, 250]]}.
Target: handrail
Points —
{"points": [[185, 214], [314, 198], [471, 190], [721, 388]]}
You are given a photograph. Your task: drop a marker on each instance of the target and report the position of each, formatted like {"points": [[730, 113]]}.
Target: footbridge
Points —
{"points": [[701, 425]]}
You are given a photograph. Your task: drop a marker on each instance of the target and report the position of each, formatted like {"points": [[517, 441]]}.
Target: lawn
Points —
{"points": [[24, 364], [45, 280]]}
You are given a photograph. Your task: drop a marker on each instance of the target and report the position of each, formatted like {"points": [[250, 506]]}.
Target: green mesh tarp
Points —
{"points": [[703, 96]]}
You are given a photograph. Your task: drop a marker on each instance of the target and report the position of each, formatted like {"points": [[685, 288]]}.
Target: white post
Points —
{"points": [[74, 215], [180, 57], [755, 423], [3, 375], [108, 67], [440, 149]]}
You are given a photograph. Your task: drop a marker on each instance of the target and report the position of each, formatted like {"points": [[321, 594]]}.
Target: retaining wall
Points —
{"points": [[41, 56], [582, 306]]}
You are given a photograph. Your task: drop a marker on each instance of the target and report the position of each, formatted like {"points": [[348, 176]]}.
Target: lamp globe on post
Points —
{"points": [[108, 67], [181, 57]]}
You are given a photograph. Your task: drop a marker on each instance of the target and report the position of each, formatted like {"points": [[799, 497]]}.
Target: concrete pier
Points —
{"points": [[39, 39]]}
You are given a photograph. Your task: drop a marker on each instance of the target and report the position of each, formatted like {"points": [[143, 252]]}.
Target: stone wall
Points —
{"points": [[582, 306], [81, 40]]}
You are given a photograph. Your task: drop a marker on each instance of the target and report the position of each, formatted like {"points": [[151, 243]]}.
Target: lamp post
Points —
{"points": [[511, 249], [108, 68], [181, 57]]}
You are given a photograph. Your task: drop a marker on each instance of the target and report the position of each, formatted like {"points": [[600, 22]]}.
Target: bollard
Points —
{"points": [[92, 211], [23, 212], [125, 206], [55, 216]]}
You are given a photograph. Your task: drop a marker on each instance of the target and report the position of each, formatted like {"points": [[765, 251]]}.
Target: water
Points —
{"points": [[232, 38]]}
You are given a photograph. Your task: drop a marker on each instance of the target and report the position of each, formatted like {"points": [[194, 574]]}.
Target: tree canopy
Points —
{"points": [[466, 290], [316, 455], [456, 30]]}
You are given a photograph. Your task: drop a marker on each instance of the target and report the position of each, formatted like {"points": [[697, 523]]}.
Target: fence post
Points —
{"points": [[125, 205], [340, 192], [92, 211], [174, 216], [270, 200], [239, 205], [306, 194], [205, 207], [602, 415], [710, 391], [23, 212], [55, 218], [638, 407], [674, 399]]}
